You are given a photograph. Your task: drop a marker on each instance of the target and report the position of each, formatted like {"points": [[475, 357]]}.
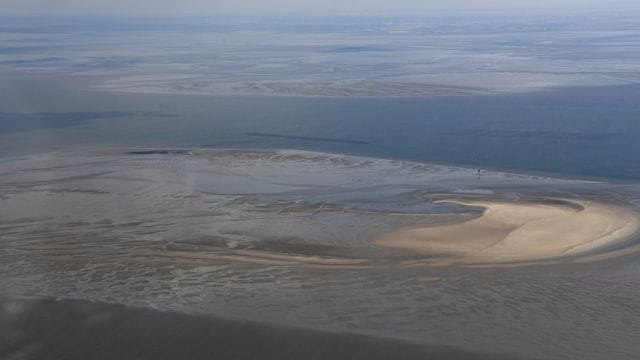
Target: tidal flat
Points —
{"points": [[306, 240]]}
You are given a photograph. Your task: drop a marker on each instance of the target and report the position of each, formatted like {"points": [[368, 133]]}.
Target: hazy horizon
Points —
{"points": [[256, 7]]}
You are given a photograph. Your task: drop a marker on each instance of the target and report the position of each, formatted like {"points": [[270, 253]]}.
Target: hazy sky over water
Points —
{"points": [[275, 6]]}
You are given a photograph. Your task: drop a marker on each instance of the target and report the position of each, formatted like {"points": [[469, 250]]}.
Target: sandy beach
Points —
{"points": [[519, 231]]}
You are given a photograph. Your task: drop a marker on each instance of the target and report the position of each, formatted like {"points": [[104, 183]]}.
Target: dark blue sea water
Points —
{"points": [[587, 132]]}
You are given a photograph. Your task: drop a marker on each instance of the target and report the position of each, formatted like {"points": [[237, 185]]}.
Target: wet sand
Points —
{"points": [[289, 238], [75, 329], [520, 231]]}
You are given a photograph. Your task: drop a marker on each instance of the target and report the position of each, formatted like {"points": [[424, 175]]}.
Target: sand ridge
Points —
{"points": [[507, 233], [519, 231]]}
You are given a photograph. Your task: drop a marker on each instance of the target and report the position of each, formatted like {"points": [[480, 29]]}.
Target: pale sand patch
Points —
{"points": [[519, 231]]}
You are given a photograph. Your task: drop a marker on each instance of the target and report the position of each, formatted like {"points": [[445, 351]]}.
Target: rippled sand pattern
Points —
{"points": [[294, 237]]}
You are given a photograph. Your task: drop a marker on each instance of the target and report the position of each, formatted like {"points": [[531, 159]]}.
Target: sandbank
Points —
{"points": [[519, 231]]}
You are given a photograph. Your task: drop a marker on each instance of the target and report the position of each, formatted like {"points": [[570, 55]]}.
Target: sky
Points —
{"points": [[141, 7]]}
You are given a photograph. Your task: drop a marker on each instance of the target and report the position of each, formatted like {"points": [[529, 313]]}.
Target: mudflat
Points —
{"points": [[76, 329]]}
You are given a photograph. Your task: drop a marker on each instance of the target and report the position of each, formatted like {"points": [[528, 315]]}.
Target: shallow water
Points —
{"points": [[168, 231], [586, 132], [91, 209]]}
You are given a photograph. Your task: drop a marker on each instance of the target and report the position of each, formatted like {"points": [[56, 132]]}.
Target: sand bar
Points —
{"points": [[520, 231]]}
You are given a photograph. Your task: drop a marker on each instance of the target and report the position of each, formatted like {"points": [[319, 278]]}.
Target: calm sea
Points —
{"points": [[586, 132]]}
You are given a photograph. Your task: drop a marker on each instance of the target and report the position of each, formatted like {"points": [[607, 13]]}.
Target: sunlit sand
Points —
{"points": [[519, 231]]}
